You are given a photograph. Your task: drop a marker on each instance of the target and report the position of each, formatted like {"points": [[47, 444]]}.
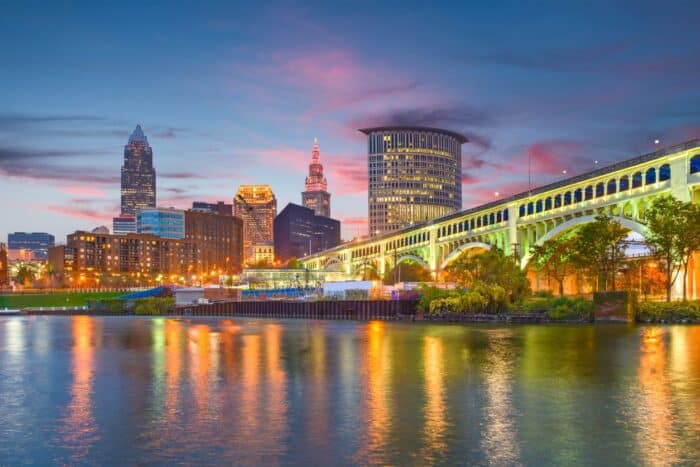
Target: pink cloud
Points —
{"points": [[83, 190], [80, 213]]}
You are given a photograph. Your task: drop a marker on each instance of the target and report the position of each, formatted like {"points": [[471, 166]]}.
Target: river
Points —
{"points": [[157, 391]]}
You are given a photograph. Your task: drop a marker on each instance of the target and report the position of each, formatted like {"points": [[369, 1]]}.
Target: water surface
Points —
{"points": [[116, 390]]}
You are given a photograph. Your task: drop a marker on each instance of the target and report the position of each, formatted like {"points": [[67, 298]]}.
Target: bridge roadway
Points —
{"points": [[623, 190]]}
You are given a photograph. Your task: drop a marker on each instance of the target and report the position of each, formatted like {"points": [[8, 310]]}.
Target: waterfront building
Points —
{"points": [[138, 188], [299, 231], [221, 208], [315, 195], [161, 222], [415, 174], [125, 224], [38, 243], [256, 206], [263, 253], [219, 241], [4, 274], [89, 258]]}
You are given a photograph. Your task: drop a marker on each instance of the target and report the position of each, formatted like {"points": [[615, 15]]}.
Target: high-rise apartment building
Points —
{"points": [[219, 241], [161, 222], [415, 174], [36, 242], [300, 232], [88, 257], [256, 206], [315, 195], [138, 175]]}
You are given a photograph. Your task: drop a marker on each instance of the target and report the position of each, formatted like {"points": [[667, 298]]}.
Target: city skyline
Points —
{"points": [[243, 107]]}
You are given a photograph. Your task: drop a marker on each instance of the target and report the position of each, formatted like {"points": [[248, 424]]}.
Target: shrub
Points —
{"points": [[111, 305], [153, 306], [668, 311]]}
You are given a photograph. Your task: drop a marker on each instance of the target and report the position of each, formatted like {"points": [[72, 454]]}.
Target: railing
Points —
{"points": [[341, 309]]}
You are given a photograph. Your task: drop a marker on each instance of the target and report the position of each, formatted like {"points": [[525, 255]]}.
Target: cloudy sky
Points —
{"points": [[229, 93]]}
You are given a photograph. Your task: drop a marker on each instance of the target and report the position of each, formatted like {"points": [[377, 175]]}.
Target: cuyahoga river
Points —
{"points": [[123, 390]]}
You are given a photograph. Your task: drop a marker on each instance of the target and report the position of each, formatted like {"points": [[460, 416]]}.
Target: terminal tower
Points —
{"points": [[315, 195]]}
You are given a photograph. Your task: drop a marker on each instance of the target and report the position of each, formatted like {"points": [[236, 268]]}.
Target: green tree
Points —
{"points": [[408, 271], [674, 234], [293, 263], [24, 275], [492, 267], [554, 258], [598, 248]]}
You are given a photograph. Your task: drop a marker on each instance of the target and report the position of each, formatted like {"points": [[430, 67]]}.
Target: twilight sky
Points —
{"points": [[230, 93]]}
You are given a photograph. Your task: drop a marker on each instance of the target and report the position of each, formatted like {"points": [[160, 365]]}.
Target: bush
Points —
{"points": [[668, 311], [111, 305], [153, 306], [480, 298], [560, 308]]}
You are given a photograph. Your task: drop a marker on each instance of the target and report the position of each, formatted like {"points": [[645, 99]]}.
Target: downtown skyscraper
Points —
{"points": [[315, 195], [138, 175]]}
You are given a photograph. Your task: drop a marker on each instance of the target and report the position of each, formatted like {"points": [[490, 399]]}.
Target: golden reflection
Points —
{"points": [[499, 440], [655, 437], [79, 429], [173, 367], [199, 352], [276, 408], [435, 409], [228, 335], [316, 419], [250, 406], [377, 373], [685, 361]]}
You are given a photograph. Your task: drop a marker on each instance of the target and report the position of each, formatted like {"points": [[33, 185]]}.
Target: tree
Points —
{"points": [[492, 267], [598, 248], [674, 234], [24, 275], [554, 258], [409, 271]]}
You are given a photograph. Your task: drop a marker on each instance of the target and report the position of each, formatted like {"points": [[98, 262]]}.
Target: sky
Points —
{"points": [[232, 93]]}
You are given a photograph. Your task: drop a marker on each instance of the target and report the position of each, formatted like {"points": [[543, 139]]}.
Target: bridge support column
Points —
{"points": [[679, 178], [433, 251], [512, 228]]}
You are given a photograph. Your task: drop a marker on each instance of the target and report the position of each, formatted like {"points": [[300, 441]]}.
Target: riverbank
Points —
{"points": [[54, 299]]}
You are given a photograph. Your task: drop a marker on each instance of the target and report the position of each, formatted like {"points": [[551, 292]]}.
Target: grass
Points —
{"points": [[54, 299]]}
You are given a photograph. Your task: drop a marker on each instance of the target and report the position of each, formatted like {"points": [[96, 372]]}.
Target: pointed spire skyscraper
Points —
{"points": [[315, 195], [138, 175]]}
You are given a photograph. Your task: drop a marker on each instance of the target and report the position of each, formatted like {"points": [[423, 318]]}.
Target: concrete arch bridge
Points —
{"points": [[624, 190]]}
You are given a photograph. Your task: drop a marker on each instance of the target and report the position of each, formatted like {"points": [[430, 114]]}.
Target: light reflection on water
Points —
{"points": [[125, 390]]}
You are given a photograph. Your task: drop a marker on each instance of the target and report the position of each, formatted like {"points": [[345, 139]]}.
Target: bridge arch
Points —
{"points": [[629, 224], [459, 250], [415, 258], [333, 264]]}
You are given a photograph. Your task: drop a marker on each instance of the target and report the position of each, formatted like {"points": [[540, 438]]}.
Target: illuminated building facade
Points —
{"points": [[256, 206], [122, 225], [36, 242], [219, 241], [315, 195], [415, 174], [89, 256], [161, 222], [138, 175]]}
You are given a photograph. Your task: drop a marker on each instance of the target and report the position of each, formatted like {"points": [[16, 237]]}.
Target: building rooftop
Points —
{"points": [[460, 137]]}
